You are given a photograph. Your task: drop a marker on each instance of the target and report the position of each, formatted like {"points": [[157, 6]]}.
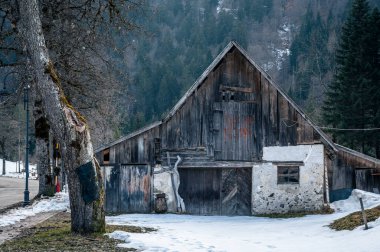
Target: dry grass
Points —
{"points": [[54, 235], [354, 220], [324, 210]]}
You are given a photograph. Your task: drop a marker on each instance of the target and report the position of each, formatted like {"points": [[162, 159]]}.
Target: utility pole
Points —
{"points": [[26, 107]]}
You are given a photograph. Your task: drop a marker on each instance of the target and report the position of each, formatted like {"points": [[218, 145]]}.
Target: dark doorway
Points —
{"points": [[216, 191]]}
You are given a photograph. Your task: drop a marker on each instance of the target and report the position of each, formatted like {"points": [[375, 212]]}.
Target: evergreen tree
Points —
{"points": [[352, 98], [309, 56]]}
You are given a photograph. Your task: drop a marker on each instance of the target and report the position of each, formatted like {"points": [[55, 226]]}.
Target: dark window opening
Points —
{"points": [[106, 156], [288, 174], [232, 97], [157, 150]]}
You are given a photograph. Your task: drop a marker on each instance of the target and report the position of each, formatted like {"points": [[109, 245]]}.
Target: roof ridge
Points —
{"points": [[215, 62], [200, 80]]}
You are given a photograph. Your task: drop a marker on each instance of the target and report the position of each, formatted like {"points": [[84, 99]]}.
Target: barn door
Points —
{"points": [[111, 186], [234, 131], [216, 191], [200, 190], [135, 194], [236, 191]]}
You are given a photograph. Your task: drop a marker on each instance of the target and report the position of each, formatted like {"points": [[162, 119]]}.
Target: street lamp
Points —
{"points": [[26, 107]]}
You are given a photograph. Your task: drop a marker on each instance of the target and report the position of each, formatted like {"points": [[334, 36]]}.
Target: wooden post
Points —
{"points": [[363, 213]]}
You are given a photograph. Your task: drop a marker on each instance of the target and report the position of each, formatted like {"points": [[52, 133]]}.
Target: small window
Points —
{"points": [[223, 96], [288, 174], [157, 150], [106, 156], [232, 97]]}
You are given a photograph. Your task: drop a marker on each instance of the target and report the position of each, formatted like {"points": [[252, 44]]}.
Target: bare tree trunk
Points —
{"points": [[42, 147], [69, 128]]}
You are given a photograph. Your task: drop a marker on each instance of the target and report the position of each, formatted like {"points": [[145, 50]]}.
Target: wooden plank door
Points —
{"points": [[234, 131], [135, 189], [216, 191], [200, 190], [236, 191], [111, 186]]}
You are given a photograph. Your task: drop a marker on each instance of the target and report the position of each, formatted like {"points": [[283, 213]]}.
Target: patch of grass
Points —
{"points": [[129, 229], [282, 215], [354, 220], [54, 234], [324, 210]]}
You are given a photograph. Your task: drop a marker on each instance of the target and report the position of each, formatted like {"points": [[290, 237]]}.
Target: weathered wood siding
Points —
{"points": [[234, 113], [128, 188], [216, 191], [135, 150], [367, 180], [111, 187], [200, 190], [348, 171]]}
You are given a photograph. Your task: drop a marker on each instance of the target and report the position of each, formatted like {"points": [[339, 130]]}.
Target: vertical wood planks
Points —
{"points": [[135, 189], [111, 185], [216, 191]]}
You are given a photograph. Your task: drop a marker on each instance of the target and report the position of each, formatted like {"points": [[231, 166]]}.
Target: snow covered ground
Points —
{"points": [[239, 233], [11, 170], [59, 202], [221, 233]]}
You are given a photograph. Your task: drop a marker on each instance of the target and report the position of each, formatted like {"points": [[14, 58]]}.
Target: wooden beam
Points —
{"points": [[236, 89]]}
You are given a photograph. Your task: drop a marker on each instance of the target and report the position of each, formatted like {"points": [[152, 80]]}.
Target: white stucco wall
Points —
{"points": [[163, 184], [270, 197]]}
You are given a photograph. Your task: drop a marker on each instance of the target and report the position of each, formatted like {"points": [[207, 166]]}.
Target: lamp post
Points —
{"points": [[26, 107]]}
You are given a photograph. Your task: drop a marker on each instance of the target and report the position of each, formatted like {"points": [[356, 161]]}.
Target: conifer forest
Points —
{"points": [[323, 53]]}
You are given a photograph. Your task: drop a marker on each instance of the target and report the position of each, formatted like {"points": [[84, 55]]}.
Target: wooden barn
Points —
{"points": [[234, 144]]}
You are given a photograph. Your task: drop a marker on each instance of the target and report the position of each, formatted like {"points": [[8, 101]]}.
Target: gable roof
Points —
{"points": [[231, 45], [216, 61]]}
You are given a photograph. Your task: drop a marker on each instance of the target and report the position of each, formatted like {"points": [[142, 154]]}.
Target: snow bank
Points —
{"points": [[11, 170], [352, 204], [59, 202]]}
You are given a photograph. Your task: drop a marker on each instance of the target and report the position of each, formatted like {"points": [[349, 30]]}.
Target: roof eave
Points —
{"points": [[131, 135]]}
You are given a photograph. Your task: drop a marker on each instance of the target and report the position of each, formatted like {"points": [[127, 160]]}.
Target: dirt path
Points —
{"points": [[10, 232]]}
